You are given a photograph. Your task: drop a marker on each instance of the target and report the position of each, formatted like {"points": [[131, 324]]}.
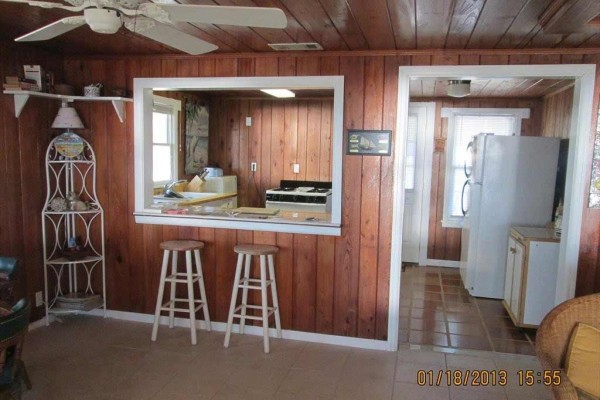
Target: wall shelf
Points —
{"points": [[22, 96]]}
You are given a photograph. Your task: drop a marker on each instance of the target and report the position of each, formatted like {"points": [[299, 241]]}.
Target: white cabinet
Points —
{"points": [[73, 231], [530, 280]]}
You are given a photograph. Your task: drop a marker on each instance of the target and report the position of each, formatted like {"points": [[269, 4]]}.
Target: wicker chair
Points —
{"points": [[554, 334], [13, 374]]}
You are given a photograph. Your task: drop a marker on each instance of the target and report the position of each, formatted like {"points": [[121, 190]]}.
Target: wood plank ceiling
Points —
{"points": [[500, 87], [353, 25]]}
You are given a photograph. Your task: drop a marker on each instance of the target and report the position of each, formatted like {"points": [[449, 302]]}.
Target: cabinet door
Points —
{"points": [[510, 265], [515, 298]]}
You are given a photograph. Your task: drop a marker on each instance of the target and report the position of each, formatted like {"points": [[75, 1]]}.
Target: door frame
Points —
{"points": [[579, 160]]}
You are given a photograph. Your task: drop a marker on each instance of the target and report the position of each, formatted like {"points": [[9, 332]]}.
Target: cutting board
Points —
{"points": [[257, 210]]}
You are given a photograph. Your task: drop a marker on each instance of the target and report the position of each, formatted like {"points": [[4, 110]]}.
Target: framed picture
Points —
{"points": [[369, 142]]}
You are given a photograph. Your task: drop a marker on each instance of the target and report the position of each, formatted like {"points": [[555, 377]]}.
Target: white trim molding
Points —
{"points": [[578, 164], [251, 330]]}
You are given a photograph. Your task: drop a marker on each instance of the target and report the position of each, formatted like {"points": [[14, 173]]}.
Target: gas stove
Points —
{"points": [[300, 196]]}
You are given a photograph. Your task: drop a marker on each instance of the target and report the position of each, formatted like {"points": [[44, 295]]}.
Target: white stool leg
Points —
{"points": [[173, 284], [265, 311], [245, 292], [274, 294], [190, 286], [202, 289], [238, 272], [159, 297]]}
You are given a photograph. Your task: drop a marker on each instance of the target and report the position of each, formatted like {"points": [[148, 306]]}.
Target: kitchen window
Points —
{"points": [[463, 125], [165, 133]]}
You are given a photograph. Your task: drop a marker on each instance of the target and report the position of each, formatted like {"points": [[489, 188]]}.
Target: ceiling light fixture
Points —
{"points": [[281, 93], [458, 88]]}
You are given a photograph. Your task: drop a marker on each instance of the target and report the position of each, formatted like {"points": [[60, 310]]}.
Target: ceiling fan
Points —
{"points": [[152, 20]]}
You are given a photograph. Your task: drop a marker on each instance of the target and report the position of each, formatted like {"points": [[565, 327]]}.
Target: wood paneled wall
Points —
{"points": [[326, 284], [557, 110], [444, 243], [23, 144], [283, 133]]}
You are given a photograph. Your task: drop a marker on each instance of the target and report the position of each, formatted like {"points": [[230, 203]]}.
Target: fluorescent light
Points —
{"points": [[281, 93]]}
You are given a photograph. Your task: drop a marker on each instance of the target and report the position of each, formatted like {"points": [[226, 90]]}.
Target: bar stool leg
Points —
{"points": [[202, 289], [274, 295], [190, 286], [245, 293], [265, 310], [161, 290], [173, 284], [238, 272]]}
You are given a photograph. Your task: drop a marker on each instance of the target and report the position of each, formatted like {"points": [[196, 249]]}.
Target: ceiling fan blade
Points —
{"points": [[53, 30], [170, 36], [46, 4], [260, 17]]}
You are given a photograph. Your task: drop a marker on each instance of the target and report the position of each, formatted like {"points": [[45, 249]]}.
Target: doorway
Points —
{"points": [[579, 128]]}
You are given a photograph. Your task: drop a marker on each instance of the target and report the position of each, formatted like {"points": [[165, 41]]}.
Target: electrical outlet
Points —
{"points": [[39, 299], [296, 168], [248, 121], [253, 167]]}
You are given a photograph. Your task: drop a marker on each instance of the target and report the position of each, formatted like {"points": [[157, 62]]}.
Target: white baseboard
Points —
{"points": [[441, 263], [37, 324], [370, 344]]}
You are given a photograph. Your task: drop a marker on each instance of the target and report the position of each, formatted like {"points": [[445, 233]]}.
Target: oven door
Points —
{"points": [[300, 207]]}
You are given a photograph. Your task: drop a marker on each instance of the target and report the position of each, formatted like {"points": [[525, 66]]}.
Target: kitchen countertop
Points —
{"points": [[534, 233]]}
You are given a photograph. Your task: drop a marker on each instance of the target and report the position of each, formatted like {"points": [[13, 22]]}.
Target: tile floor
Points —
{"points": [[436, 309], [94, 358]]}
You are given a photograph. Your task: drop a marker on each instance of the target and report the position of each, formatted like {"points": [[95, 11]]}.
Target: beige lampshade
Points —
{"points": [[67, 118]]}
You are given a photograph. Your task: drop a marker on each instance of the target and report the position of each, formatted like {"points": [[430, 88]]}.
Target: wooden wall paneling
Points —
{"points": [[545, 59], [420, 59], [524, 26], [571, 59], [304, 281], [225, 240], [313, 18], [302, 139], [246, 152], [440, 233], [557, 109], [464, 17], [494, 20], [325, 284], [278, 135], [325, 148], [369, 202], [347, 247], [374, 20], [265, 149], [291, 140], [285, 278], [255, 152], [468, 59], [402, 14], [519, 59], [345, 23], [433, 21]]}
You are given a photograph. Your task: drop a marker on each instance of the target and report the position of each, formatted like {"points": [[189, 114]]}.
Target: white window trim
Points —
{"points": [[448, 220], [172, 106]]}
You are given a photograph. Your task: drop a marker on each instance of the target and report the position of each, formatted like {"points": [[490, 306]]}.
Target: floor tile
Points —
{"points": [[322, 357], [470, 394], [513, 346], [310, 382], [428, 337], [412, 391], [467, 328], [470, 342], [432, 325]]}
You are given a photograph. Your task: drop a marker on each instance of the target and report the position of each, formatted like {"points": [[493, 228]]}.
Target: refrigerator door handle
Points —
{"points": [[462, 198], [469, 152]]}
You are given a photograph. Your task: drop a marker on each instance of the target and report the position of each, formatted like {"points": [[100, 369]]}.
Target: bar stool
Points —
{"points": [[188, 277], [265, 253]]}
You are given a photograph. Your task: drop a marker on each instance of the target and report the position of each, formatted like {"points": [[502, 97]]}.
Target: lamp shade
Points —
{"points": [[459, 88], [67, 118]]}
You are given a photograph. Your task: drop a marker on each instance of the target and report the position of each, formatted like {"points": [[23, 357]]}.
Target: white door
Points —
{"points": [[413, 181]]}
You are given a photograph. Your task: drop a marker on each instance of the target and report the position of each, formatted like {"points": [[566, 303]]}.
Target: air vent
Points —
{"points": [[295, 46]]}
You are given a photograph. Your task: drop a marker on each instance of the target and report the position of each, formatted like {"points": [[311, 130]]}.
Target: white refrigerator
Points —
{"points": [[511, 182]]}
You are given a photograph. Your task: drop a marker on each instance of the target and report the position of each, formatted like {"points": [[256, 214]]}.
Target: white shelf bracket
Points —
{"points": [[119, 108], [20, 101]]}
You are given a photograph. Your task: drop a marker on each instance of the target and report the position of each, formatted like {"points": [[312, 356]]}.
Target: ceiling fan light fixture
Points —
{"points": [[102, 20], [458, 88]]}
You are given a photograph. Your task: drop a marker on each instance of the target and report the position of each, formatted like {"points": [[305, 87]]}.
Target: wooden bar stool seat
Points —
{"points": [[245, 253], [188, 277]]}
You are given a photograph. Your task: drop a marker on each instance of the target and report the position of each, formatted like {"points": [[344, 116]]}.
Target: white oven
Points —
{"points": [[302, 196]]}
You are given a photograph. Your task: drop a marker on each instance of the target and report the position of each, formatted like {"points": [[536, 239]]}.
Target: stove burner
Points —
{"points": [[318, 190], [284, 189]]}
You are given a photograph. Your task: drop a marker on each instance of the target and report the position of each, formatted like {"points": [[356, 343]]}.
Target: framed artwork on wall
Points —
{"points": [[196, 136]]}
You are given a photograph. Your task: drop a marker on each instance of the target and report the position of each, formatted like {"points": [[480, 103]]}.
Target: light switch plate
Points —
{"points": [[39, 299], [253, 166], [296, 168], [248, 121]]}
